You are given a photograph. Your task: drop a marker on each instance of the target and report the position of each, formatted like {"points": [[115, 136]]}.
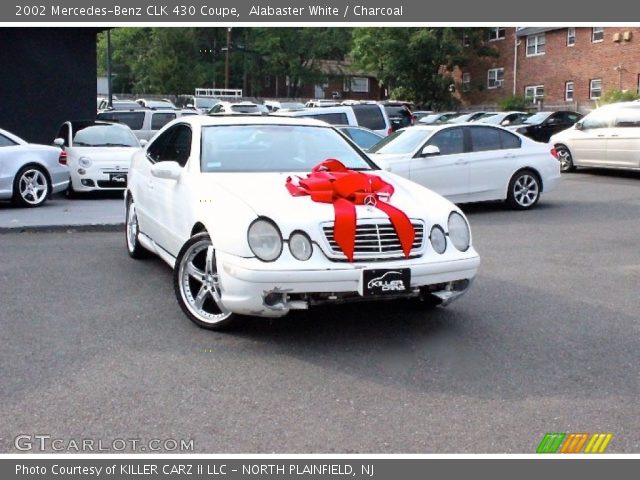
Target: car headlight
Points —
{"points": [[300, 246], [265, 240], [438, 239], [459, 232], [84, 162]]}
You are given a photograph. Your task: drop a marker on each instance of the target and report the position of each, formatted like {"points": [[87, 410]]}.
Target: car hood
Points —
{"points": [[103, 155], [266, 194], [383, 160]]}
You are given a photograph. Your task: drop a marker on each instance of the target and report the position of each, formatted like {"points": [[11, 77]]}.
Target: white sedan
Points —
{"points": [[98, 154], [263, 215], [471, 162]]}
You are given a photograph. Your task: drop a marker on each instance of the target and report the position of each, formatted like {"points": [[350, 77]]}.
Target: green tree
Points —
{"points": [[418, 61]]}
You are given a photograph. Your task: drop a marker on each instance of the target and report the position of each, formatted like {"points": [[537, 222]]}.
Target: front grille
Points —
{"points": [[376, 240]]}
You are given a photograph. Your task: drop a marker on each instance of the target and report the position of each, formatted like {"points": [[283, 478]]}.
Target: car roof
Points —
{"points": [[248, 119], [13, 137]]}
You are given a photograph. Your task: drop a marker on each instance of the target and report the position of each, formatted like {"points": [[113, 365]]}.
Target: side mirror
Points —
{"points": [[143, 142], [190, 105], [59, 142], [429, 150], [579, 126], [505, 122], [167, 170]]}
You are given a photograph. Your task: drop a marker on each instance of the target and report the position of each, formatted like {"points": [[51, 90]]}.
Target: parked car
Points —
{"points": [[466, 117], [156, 104], [142, 121], [321, 103], [203, 104], [608, 137], [224, 200], [417, 115], [98, 154], [436, 118], [541, 126], [361, 136], [30, 173], [370, 115], [275, 105], [117, 105], [471, 162], [503, 118], [238, 107]]}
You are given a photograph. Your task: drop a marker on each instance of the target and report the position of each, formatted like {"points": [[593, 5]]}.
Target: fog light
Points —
{"points": [[87, 183], [82, 171]]}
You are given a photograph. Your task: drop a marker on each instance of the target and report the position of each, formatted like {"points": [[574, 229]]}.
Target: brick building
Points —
{"points": [[556, 67]]}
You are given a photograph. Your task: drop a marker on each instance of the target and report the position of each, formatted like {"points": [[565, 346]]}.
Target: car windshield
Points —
{"points": [[291, 105], [493, 119], [538, 118], [104, 136], [275, 148], [245, 108], [402, 141]]}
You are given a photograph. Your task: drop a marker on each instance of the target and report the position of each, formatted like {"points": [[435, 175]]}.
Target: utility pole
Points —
{"points": [[226, 60], [109, 86]]}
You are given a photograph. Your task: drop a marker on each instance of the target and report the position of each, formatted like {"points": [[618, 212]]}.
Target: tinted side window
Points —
{"points": [[173, 145], [159, 120], [363, 138], [449, 141], [5, 142], [369, 116], [509, 140], [484, 139], [63, 133], [332, 118], [134, 120]]}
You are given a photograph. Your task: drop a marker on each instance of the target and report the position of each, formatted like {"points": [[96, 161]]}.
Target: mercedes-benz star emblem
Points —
{"points": [[370, 201]]}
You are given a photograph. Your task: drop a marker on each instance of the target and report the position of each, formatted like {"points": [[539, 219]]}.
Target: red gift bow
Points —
{"points": [[331, 182]]}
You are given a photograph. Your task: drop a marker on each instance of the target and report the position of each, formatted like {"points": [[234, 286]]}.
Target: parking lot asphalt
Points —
{"points": [[99, 211], [546, 340]]}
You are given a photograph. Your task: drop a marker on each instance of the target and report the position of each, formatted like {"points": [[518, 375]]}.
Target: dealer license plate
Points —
{"points": [[376, 282], [118, 178]]}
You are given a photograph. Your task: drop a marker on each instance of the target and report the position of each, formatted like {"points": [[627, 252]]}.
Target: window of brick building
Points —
{"points": [[535, 44], [571, 36], [595, 88], [597, 34], [495, 77], [534, 93], [497, 33], [466, 82], [568, 91]]}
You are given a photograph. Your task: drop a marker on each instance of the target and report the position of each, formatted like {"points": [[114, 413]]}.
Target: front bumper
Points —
{"points": [[251, 287], [99, 178]]}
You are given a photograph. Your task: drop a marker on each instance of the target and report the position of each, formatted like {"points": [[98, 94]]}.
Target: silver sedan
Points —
{"points": [[30, 173]]}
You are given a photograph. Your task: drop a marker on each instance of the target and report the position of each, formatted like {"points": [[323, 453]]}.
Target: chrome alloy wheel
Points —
{"points": [[33, 186], [132, 228], [199, 283], [526, 190], [566, 161]]}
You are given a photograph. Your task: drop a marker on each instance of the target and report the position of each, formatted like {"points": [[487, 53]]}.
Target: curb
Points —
{"points": [[111, 227]]}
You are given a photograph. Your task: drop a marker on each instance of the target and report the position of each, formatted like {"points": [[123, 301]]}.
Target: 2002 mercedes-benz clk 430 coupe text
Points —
{"points": [[263, 215]]}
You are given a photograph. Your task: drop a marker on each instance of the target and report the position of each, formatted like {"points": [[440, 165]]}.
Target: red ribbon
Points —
{"points": [[332, 182]]}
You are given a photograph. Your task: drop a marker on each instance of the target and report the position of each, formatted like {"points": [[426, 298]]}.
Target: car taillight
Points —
{"points": [[554, 152], [390, 131], [62, 159], [413, 119]]}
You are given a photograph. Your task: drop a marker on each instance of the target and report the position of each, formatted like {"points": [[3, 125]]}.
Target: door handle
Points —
{"points": [[509, 155], [600, 136], [614, 136], [461, 161]]}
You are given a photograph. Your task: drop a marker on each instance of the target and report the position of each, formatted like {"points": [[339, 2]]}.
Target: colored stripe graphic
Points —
{"points": [[598, 443], [574, 443], [550, 442]]}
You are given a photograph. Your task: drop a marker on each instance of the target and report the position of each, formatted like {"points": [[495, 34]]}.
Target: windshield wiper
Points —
{"points": [[113, 145]]}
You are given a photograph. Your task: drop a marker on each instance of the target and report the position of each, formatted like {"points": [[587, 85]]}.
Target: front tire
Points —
{"points": [[132, 233], [565, 158], [524, 190], [197, 284], [31, 187]]}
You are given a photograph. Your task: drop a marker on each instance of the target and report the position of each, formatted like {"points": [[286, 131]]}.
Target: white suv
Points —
{"points": [[370, 115], [144, 122]]}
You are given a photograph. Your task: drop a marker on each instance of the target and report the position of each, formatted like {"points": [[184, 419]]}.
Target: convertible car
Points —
{"points": [[262, 215]]}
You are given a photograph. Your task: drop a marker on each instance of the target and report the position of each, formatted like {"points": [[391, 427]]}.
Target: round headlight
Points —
{"points": [[84, 162], [265, 240], [438, 239], [300, 246], [459, 231]]}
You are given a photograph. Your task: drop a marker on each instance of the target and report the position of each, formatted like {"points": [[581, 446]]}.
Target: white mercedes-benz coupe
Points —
{"points": [[263, 215]]}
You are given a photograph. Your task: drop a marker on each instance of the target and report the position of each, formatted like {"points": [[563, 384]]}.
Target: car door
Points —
{"points": [[447, 172], [9, 165], [492, 156], [165, 223], [589, 142], [623, 143]]}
